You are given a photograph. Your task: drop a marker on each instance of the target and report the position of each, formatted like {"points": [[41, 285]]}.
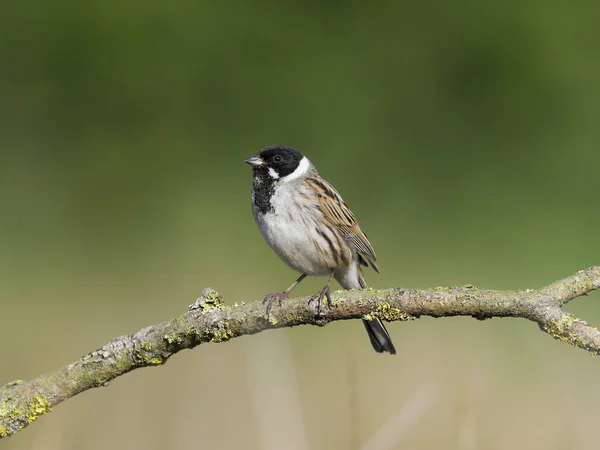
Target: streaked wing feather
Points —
{"points": [[339, 215]]}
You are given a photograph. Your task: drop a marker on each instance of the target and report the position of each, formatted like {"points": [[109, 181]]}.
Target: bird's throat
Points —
{"points": [[263, 188]]}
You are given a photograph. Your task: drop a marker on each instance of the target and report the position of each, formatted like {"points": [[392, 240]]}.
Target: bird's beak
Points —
{"points": [[254, 161]]}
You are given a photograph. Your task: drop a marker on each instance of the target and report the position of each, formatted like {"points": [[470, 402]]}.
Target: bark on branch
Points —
{"points": [[209, 320]]}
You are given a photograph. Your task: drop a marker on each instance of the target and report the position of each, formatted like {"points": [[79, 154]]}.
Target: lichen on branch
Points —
{"points": [[210, 320]]}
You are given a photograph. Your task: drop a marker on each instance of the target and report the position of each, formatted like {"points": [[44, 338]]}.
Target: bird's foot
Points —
{"points": [[318, 297], [275, 296]]}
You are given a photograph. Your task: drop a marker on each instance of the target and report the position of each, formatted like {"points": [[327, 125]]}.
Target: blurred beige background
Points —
{"points": [[463, 135]]}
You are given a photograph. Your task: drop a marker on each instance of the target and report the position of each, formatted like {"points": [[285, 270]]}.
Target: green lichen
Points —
{"points": [[173, 338], [122, 362], [213, 297], [182, 319], [224, 333], [561, 330], [207, 307], [388, 313], [39, 407], [6, 411], [146, 345], [191, 331], [293, 319], [210, 301], [3, 410]]}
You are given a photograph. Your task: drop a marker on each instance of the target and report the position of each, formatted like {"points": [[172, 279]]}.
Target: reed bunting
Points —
{"points": [[306, 222]]}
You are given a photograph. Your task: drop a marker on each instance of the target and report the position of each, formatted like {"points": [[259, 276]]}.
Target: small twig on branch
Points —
{"points": [[208, 320]]}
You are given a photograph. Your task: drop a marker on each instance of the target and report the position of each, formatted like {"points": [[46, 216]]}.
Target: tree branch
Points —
{"points": [[208, 320]]}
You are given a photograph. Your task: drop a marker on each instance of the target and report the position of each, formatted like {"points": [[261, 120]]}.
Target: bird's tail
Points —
{"points": [[378, 335]]}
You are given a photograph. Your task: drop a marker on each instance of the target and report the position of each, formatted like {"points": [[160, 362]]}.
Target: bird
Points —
{"points": [[307, 224]]}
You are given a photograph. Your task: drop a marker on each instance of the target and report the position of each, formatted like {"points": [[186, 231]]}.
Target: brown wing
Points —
{"points": [[339, 215]]}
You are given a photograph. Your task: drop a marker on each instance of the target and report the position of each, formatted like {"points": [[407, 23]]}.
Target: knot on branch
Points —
{"points": [[208, 300]]}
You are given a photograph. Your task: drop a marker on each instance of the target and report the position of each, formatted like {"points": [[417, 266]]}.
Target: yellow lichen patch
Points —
{"points": [[335, 301], [156, 361], [39, 407], [3, 432], [388, 313]]}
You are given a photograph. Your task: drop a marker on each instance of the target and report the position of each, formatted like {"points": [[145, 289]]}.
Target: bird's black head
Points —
{"points": [[278, 160]]}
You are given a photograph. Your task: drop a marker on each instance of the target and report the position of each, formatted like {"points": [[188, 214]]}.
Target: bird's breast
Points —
{"points": [[292, 229]]}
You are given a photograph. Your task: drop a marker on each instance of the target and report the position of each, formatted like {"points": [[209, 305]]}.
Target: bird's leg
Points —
{"points": [[280, 296], [325, 292]]}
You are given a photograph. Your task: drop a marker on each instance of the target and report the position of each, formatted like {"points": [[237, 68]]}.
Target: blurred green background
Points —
{"points": [[464, 136]]}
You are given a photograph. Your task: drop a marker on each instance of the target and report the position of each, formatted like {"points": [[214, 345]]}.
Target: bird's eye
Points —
{"points": [[277, 158]]}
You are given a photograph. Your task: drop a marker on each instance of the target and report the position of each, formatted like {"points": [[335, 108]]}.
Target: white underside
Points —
{"points": [[290, 230], [294, 243], [348, 277]]}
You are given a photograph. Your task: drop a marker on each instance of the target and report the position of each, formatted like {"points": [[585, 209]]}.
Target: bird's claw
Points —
{"points": [[275, 296], [318, 297]]}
